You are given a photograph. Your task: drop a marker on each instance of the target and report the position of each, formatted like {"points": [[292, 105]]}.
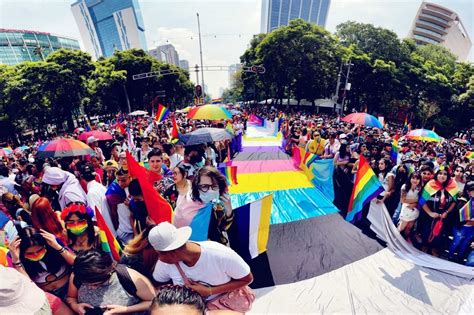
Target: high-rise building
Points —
{"points": [[107, 25], [276, 13], [166, 53], [184, 64], [438, 25], [21, 45]]}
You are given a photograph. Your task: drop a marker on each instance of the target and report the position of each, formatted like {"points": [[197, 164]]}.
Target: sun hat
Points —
{"points": [[18, 294], [166, 237], [91, 139]]}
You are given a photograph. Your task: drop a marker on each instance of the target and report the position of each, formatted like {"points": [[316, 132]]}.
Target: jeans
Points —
{"points": [[470, 259]]}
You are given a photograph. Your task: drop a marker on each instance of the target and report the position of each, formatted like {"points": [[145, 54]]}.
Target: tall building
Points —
{"points": [[233, 69], [21, 45], [276, 13], [166, 53], [184, 64], [438, 25], [107, 25]]}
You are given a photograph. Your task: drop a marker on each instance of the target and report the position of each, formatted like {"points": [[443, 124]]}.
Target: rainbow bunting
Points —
{"points": [[466, 213], [433, 186], [230, 173], [366, 187], [108, 242], [394, 152], [162, 113]]}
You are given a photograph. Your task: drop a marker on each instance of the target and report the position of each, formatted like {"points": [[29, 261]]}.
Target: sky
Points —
{"points": [[226, 25]]}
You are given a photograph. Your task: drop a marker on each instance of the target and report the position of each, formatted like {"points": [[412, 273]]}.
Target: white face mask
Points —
{"points": [[209, 196]]}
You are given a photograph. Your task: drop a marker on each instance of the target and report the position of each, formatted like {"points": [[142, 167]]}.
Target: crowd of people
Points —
{"points": [[48, 217]]}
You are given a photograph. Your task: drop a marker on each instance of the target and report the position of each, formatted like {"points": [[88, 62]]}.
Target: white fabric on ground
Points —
{"points": [[378, 284], [381, 224]]}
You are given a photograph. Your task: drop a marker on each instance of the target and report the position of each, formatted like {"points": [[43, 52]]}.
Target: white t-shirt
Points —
{"points": [[123, 212], [218, 264], [96, 198]]}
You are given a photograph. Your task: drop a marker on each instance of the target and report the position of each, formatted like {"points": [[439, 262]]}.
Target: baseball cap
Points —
{"points": [[166, 237], [111, 163], [91, 139]]}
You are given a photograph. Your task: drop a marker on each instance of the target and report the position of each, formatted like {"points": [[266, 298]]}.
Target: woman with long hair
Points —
{"points": [[181, 187], [442, 192], [44, 217], [98, 283], [138, 254], [387, 179], [81, 232], [342, 178], [409, 198], [16, 208], [40, 256]]}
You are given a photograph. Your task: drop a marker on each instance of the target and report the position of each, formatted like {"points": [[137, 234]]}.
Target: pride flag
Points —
{"points": [[216, 100], [229, 128], [120, 128], [249, 232], [366, 187], [162, 113], [230, 173], [465, 213], [175, 130], [433, 186], [108, 242], [158, 208], [394, 152], [470, 155]]}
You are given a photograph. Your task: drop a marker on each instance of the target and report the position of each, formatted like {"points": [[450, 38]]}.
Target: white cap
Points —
{"points": [[166, 237], [18, 294], [91, 139]]}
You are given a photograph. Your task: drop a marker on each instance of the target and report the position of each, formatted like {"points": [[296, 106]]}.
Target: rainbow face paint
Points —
{"points": [[37, 256], [77, 228]]}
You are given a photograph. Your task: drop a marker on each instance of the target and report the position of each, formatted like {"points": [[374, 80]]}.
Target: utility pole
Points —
{"points": [[200, 52], [349, 64], [336, 94]]}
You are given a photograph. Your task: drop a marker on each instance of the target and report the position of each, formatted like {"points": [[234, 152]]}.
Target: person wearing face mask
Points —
{"points": [[38, 255], [193, 160]]}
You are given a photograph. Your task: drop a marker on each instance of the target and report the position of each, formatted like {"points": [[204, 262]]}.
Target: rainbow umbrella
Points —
{"points": [[462, 141], [209, 112], [423, 135], [63, 148], [363, 119], [101, 135]]}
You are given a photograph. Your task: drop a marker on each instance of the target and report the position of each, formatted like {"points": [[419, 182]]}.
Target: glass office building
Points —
{"points": [[107, 25], [21, 45], [276, 13]]}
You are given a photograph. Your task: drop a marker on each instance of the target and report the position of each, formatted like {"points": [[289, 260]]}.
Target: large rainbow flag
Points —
{"points": [[433, 186], [162, 113], [466, 213], [366, 187], [230, 173], [108, 242]]}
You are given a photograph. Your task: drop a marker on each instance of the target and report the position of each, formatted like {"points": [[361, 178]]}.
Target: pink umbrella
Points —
{"points": [[100, 135]]}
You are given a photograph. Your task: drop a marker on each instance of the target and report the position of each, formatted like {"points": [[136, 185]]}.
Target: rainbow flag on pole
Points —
{"points": [[366, 187], [466, 213], [216, 100], [394, 152], [230, 173], [108, 242], [162, 113]]}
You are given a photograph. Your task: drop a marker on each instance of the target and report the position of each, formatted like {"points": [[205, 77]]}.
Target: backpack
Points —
{"points": [[125, 280]]}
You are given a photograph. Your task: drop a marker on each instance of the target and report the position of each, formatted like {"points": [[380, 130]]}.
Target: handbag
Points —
{"points": [[239, 300]]}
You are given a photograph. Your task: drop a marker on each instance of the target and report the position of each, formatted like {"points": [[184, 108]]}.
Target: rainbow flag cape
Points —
{"points": [[433, 186], [394, 152], [162, 113], [230, 173], [466, 213], [216, 100], [250, 228], [108, 242], [366, 187]]}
